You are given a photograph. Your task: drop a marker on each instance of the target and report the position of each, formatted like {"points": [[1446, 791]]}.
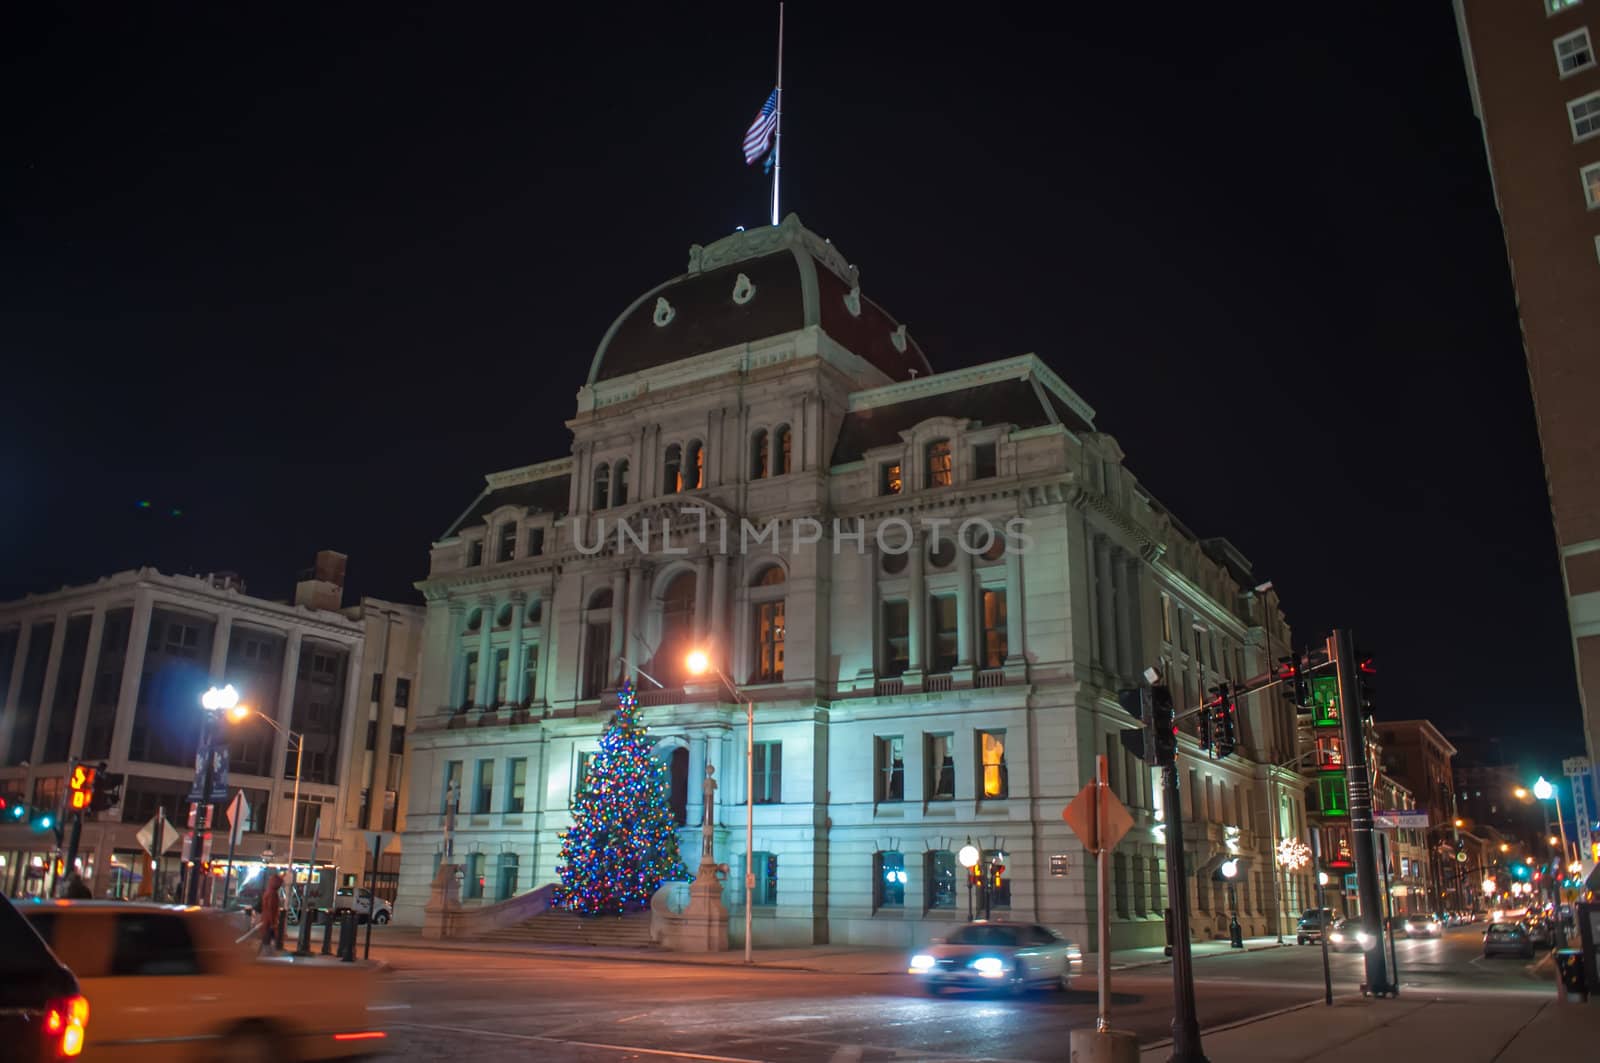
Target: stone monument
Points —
{"points": [[703, 925]]}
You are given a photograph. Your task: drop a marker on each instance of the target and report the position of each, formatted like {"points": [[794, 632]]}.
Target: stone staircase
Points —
{"points": [[565, 928]]}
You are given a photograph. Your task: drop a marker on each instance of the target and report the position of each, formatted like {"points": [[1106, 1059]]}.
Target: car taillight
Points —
{"points": [[64, 1022]]}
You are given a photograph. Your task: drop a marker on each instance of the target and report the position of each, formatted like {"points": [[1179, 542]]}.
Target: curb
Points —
{"points": [[531, 953], [1165, 961], [1252, 1020]]}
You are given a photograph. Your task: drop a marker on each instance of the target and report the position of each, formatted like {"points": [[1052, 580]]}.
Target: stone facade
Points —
{"points": [[765, 467]]}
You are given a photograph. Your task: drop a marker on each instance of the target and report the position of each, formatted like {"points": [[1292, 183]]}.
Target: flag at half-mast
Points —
{"points": [[759, 135]]}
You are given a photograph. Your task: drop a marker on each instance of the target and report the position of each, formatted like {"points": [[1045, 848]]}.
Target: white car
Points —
{"points": [[362, 901], [176, 984], [1019, 956]]}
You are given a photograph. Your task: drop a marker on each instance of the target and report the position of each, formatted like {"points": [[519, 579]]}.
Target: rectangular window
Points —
{"points": [[939, 875], [768, 775], [306, 817], [896, 640], [983, 462], [597, 659], [1000, 893], [765, 894], [1574, 52], [397, 739], [472, 884], [508, 541], [889, 478], [470, 694], [1584, 114], [475, 553], [942, 622], [402, 693], [1330, 753], [889, 880], [1166, 618], [996, 780], [891, 768], [1555, 7], [517, 792], [372, 735], [535, 542], [377, 686], [938, 463], [484, 789], [1333, 799], [995, 648], [580, 775], [940, 767], [1590, 176], [530, 672], [502, 675], [452, 786], [769, 642]]}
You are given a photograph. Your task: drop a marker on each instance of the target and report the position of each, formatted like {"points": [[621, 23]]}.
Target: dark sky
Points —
{"points": [[306, 273]]}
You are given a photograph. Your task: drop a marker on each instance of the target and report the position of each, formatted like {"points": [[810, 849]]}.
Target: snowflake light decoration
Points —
{"points": [[1293, 854]]}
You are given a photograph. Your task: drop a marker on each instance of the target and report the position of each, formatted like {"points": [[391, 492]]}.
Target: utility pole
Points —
{"points": [[1185, 1026], [1358, 778]]}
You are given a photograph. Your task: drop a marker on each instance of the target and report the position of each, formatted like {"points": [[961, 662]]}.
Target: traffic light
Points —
{"points": [[997, 872], [107, 790], [1206, 723], [1295, 687], [1132, 702], [80, 787], [17, 811], [1157, 742], [1366, 681], [1163, 725], [1226, 730]]}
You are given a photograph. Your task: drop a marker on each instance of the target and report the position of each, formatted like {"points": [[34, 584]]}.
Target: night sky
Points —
{"points": [[305, 274]]}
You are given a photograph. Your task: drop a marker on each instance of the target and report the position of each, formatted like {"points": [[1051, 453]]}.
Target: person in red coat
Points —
{"points": [[272, 913]]}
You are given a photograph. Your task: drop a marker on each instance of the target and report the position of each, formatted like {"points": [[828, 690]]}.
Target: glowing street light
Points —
{"points": [[1520, 793], [1543, 790], [224, 698], [1489, 886], [699, 663], [1230, 868], [239, 713], [214, 700]]}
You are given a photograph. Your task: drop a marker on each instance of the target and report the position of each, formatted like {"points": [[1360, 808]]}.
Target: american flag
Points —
{"points": [[760, 132]]}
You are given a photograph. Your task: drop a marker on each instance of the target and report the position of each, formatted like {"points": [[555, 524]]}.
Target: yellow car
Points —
{"points": [[172, 983]]}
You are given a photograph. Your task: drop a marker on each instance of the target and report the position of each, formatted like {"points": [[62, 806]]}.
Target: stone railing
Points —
{"points": [[444, 917]]}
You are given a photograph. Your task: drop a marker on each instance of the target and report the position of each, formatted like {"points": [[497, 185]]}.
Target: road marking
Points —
{"points": [[630, 1018], [575, 1044]]}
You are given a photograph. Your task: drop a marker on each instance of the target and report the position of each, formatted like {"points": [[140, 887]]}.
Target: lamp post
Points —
{"points": [[241, 713], [1545, 790], [1230, 870], [968, 858], [699, 663], [214, 700]]}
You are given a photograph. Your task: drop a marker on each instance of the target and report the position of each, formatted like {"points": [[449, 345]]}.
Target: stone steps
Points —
{"points": [[565, 928]]}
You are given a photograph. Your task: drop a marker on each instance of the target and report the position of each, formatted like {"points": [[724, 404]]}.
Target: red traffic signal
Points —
{"points": [[81, 785]]}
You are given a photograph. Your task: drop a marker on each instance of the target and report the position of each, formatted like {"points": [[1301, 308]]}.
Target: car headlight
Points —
{"points": [[989, 966], [1363, 938], [1336, 936], [921, 962]]}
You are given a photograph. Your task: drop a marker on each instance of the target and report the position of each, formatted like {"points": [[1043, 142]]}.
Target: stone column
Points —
{"points": [[547, 657], [632, 646], [485, 692], [13, 691], [1014, 606], [454, 665], [284, 713], [965, 614], [132, 676], [619, 592], [219, 647], [519, 615], [720, 630], [695, 809], [702, 598], [916, 611], [1105, 596], [91, 668], [52, 675]]}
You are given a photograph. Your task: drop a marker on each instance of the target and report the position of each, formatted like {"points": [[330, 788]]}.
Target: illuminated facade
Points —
{"points": [[764, 464]]}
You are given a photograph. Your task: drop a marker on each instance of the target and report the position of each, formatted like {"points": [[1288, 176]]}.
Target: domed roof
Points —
{"points": [[749, 286]]}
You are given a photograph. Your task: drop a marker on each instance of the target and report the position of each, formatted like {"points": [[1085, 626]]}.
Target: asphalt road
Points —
{"points": [[496, 1006]]}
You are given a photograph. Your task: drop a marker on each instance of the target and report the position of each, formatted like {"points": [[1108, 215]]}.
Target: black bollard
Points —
{"points": [[303, 946], [327, 935], [347, 936]]}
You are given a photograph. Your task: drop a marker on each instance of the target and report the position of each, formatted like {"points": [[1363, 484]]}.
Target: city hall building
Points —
{"points": [[930, 586]]}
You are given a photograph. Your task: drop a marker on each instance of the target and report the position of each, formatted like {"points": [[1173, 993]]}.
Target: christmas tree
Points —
{"points": [[623, 842]]}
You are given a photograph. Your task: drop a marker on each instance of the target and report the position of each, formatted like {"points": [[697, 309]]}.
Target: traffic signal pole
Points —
{"points": [[1358, 777], [1185, 1026]]}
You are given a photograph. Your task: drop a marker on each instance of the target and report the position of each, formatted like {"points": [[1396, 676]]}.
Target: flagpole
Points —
{"points": [[777, 136]]}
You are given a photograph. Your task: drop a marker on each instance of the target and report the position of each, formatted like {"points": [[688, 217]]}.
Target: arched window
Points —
{"points": [[597, 643], [781, 446], [677, 627], [602, 484], [939, 463], [672, 470], [767, 625], [758, 454], [694, 465], [619, 484]]}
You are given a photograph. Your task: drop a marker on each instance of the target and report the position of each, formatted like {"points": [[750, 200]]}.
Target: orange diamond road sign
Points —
{"points": [[1080, 816]]}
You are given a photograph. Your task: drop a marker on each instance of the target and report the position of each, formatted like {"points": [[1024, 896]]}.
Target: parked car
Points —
{"points": [[1395, 925], [1507, 939], [169, 983], [362, 901], [1313, 921], [1423, 926], [1350, 935], [43, 1015], [1019, 956]]}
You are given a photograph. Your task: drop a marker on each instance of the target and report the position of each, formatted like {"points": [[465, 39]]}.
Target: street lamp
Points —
{"points": [[968, 858], [1545, 790], [214, 700], [1230, 870], [699, 663], [241, 713]]}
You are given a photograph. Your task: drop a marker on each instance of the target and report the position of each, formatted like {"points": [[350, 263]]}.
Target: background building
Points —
{"points": [[917, 683], [1535, 82], [112, 672]]}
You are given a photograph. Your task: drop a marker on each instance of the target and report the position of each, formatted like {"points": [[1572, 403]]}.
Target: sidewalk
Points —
{"points": [[822, 959], [1498, 1030]]}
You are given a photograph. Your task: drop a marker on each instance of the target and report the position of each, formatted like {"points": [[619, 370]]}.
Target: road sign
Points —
{"points": [[1080, 816], [1058, 865], [1399, 819]]}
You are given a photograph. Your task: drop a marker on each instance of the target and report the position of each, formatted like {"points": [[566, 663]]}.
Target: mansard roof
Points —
{"points": [[747, 287], [1019, 391], [523, 488]]}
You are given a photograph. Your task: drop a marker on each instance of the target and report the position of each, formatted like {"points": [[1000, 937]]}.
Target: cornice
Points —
{"points": [[544, 470]]}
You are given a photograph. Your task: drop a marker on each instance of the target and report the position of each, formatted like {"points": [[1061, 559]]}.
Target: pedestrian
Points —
{"points": [[272, 913]]}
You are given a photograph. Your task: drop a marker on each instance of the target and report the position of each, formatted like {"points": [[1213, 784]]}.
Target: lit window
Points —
{"points": [[994, 628], [889, 478], [694, 466], [889, 880], [939, 463], [580, 775], [765, 866], [1591, 185], [1584, 114], [1555, 7], [996, 782], [1574, 52], [769, 641]]}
